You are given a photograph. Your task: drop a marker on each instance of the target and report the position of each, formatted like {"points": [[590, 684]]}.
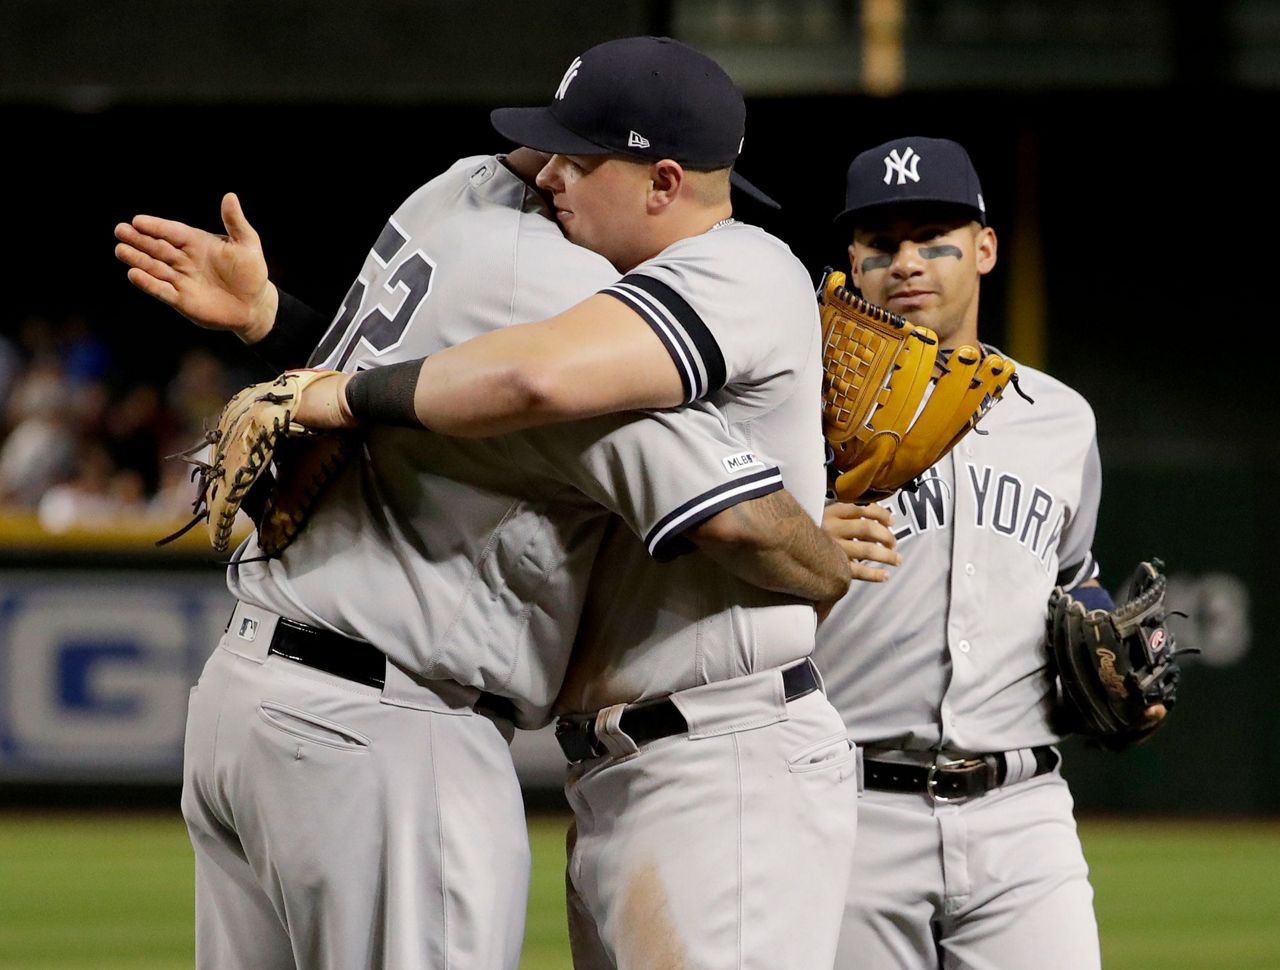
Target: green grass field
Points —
{"points": [[114, 892]]}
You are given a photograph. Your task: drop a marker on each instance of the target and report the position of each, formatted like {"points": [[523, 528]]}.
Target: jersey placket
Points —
{"points": [[964, 618]]}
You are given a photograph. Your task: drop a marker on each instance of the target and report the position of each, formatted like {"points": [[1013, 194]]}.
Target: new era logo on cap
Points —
{"points": [[637, 140], [918, 170]]}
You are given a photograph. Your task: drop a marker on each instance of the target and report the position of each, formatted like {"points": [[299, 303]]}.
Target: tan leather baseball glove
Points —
{"points": [[256, 431], [892, 403]]}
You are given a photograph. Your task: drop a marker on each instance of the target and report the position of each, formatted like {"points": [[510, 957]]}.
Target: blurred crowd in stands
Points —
{"points": [[83, 443]]}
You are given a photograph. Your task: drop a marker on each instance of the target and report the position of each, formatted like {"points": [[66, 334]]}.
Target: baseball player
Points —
{"points": [[712, 782], [968, 854], [347, 784]]}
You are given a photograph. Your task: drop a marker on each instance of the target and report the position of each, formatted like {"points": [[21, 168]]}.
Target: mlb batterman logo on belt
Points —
{"points": [[877, 370]]}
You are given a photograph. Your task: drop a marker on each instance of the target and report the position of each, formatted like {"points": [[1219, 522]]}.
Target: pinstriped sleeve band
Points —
{"points": [[690, 343], [666, 540]]}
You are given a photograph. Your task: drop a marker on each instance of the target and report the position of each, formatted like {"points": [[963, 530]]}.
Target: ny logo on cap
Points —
{"points": [[569, 75], [637, 140], [905, 165]]}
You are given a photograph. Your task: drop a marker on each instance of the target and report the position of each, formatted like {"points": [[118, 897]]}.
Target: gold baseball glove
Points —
{"points": [[892, 403]]}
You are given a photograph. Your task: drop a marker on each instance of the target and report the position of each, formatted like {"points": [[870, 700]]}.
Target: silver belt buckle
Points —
{"points": [[931, 780]]}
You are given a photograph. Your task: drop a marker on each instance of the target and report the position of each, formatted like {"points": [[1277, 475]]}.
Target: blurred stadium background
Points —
{"points": [[1127, 165]]}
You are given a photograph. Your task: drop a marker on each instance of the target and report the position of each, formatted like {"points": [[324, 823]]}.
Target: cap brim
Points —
{"points": [[974, 211], [538, 129], [742, 185]]}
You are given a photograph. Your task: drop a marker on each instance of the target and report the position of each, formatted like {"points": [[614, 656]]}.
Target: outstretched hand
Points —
{"points": [[216, 281]]}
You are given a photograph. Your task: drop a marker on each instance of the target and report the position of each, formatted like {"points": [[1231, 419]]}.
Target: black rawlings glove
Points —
{"points": [[1114, 665]]}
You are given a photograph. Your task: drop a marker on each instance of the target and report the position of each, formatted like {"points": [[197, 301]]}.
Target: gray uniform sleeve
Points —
{"points": [[705, 301], [662, 472], [1075, 551]]}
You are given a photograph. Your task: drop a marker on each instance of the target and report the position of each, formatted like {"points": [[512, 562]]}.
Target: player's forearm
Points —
{"points": [[537, 374], [771, 542], [596, 358], [488, 387]]}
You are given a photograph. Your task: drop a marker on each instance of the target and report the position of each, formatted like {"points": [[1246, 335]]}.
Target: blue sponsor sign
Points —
{"points": [[95, 671]]}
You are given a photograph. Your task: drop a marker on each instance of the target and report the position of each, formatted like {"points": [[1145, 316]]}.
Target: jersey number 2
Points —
{"points": [[376, 329]]}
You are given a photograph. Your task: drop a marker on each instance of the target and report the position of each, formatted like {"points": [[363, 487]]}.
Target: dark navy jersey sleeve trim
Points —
{"points": [[692, 346], [666, 540]]}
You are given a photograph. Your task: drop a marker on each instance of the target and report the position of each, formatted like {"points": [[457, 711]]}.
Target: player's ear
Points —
{"points": [[666, 181], [985, 249], [854, 275]]}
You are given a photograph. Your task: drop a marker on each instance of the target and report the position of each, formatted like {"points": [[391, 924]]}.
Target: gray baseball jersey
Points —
{"points": [[950, 652], [463, 582], [710, 848], [735, 310], [949, 655]]}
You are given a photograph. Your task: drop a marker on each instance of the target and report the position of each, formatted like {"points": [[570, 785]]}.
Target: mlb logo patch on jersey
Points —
{"points": [[741, 462], [248, 629]]}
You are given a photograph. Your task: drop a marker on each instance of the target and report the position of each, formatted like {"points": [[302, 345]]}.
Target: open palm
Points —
{"points": [[216, 281]]}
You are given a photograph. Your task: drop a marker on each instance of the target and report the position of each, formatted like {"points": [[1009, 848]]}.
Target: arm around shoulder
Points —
{"points": [[596, 358]]}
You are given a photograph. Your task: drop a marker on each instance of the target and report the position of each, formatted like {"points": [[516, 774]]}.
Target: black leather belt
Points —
{"points": [[651, 720], [355, 660], [951, 780], [331, 652]]}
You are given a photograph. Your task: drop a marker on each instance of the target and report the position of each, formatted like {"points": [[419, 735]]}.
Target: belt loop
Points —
{"points": [[817, 675], [249, 632], [609, 732], [997, 767], [1019, 765]]}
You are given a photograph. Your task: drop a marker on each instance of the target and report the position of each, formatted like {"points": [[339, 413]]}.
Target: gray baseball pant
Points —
{"points": [[997, 882], [338, 826], [727, 848]]}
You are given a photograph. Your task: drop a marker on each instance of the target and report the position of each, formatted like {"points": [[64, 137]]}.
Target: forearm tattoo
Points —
{"points": [[810, 561]]}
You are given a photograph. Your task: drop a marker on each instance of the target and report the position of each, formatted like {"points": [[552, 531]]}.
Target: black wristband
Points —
{"points": [[296, 330], [384, 395]]}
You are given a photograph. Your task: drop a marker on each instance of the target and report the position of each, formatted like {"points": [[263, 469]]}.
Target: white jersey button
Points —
{"points": [[964, 646], [969, 569]]}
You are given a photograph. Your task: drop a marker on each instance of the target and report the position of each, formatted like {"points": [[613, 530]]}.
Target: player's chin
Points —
{"points": [[572, 228]]}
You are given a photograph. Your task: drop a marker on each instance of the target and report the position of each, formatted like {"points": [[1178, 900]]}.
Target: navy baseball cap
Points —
{"points": [[916, 169], [647, 97]]}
